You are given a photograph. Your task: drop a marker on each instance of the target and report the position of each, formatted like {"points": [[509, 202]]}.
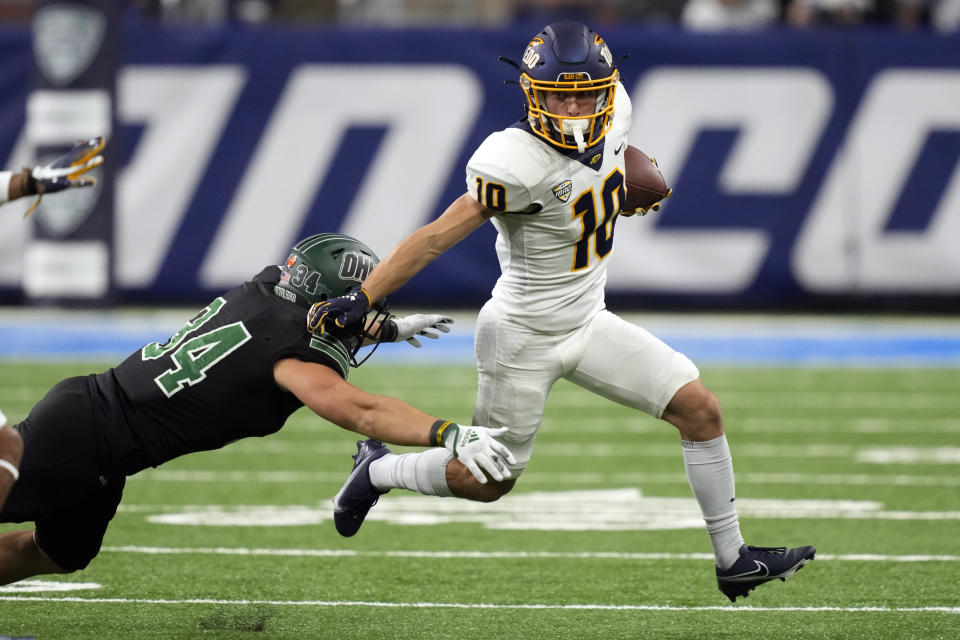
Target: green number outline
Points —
{"points": [[156, 350], [198, 354]]}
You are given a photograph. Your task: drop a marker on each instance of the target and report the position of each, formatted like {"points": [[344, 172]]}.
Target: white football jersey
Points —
{"points": [[555, 234]]}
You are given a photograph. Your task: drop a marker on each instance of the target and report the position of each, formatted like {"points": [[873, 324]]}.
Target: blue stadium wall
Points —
{"points": [[812, 170]]}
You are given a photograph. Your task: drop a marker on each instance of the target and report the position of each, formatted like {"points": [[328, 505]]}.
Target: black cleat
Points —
{"points": [[761, 564], [358, 495]]}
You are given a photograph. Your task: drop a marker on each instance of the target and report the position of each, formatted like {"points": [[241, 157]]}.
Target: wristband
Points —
{"points": [[438, 430], [3, 419], [388, 331], [28, 184]]}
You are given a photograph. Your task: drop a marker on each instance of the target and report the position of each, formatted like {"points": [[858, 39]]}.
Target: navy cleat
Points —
{"points": [[358, 495], [761, 564]]}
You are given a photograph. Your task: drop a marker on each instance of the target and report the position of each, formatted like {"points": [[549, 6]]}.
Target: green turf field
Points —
{"points": [[600, 539]]}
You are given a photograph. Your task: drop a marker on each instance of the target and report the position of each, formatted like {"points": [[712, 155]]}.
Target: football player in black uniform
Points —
{"points": [[237, 369]]}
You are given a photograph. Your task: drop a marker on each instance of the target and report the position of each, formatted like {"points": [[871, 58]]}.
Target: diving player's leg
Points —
{"points": [[11, 450], [63, 488], [21, 557], [66, 539]]}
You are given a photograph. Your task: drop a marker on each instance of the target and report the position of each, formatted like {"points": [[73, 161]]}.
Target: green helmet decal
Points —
{"points": [[324, 266]]}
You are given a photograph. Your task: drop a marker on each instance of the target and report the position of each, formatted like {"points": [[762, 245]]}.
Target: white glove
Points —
{"points": [[477, 449], [420, 324]]}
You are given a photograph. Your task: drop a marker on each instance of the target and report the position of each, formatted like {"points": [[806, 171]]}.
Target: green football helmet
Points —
{"points": [[329, 265], [325, 265]]}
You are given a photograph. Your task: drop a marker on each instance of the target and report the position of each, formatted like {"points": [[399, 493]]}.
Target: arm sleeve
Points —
{"points": [[322, 349]]}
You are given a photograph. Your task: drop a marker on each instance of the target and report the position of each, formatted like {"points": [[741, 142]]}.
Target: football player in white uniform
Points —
{"points": [[553, 185]]}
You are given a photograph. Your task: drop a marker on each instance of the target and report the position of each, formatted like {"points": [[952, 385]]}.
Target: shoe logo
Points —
{"points": [[619, 149], [761, 571]]}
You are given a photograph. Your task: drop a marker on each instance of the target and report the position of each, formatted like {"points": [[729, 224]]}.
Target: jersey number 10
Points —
{"points": [[585, 208]]}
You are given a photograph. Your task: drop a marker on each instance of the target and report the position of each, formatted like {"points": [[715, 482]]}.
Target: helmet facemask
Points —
{"points": [[570, 132], [381, 313]]}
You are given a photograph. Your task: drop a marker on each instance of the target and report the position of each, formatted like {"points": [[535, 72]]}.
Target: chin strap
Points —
{"points": [[575, 128], [578, 137]]}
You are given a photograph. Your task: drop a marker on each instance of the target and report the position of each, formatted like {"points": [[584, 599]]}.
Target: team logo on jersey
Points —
{"points": [[563, 190], [596, 158], [292, 260], [355, 266]]}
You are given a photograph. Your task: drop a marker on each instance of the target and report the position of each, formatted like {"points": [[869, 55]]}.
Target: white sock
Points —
{"points": [[424, 472], [710, 472]]}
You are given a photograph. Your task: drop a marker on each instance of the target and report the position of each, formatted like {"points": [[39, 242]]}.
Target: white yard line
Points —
{"points": [[481, 605], [195, 476], [494, 555], [909, 455]]}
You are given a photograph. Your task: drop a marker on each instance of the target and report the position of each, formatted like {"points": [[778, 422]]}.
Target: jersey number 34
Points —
{"points": [[191, 358]]}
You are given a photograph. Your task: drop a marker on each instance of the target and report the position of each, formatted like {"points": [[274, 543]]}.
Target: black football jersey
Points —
{"points": [[212, 382]]}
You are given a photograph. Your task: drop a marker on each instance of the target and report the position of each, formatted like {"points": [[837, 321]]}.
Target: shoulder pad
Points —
{"points": [[507, 168]]}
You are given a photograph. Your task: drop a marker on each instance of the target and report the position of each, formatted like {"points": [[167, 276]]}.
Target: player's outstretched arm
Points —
{"points": [[426, 244], [64, 172], [391, 420], [406, 260]]}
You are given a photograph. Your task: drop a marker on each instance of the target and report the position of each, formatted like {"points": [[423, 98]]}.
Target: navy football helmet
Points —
{"points": [[569, 57]]}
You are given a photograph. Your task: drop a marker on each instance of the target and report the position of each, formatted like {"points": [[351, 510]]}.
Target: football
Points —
{"points": [[644, 182]]}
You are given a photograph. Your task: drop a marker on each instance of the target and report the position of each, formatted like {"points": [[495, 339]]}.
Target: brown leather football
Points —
{"points": [[644, 182]]}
